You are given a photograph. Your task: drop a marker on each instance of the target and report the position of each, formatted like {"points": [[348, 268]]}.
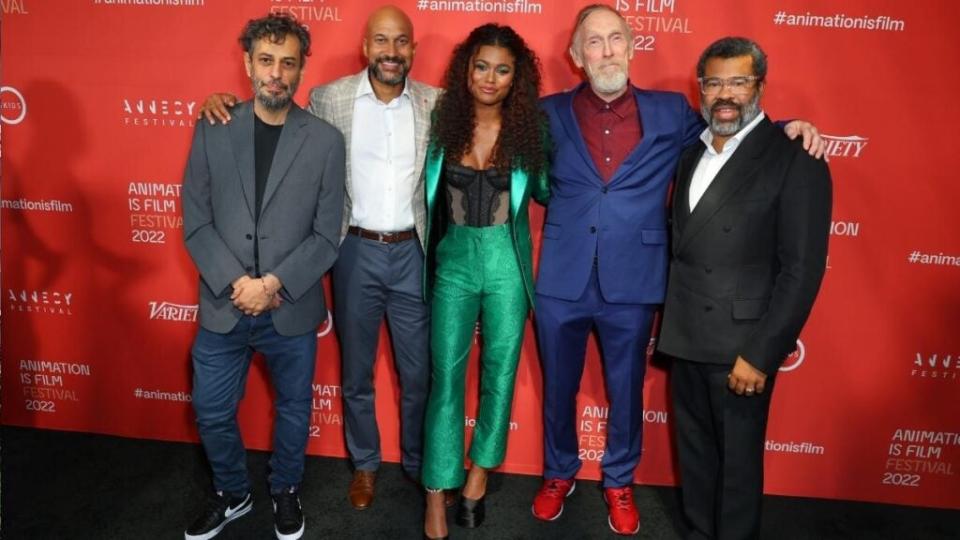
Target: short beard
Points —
{"points": [[271, 102], [378, 75], [748, 112], [607, 84]]}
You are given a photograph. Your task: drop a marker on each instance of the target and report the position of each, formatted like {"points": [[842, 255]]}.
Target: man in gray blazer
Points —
{"points": [[262, 205], [385, 119]]}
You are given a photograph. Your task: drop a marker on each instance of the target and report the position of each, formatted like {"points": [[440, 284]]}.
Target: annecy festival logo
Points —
{"points": [[158, 112]]}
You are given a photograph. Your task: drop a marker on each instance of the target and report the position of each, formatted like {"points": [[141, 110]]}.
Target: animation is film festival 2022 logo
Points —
{"points": [[308, 11], [649, 19]]}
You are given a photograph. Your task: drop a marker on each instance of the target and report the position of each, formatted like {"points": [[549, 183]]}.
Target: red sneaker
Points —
{"points": [[624, 518], [548, 504]]}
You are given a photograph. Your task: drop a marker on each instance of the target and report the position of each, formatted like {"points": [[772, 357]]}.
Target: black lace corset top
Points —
{"points": [[476, 198]]}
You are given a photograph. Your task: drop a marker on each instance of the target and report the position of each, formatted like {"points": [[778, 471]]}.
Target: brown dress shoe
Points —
{"points": [[361, 489]]}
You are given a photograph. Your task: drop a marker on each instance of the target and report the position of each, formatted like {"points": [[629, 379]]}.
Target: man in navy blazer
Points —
{"points": [[604, 252]]}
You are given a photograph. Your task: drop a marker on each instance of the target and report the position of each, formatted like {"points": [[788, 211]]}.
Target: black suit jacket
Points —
{"points": [[747, 263]]}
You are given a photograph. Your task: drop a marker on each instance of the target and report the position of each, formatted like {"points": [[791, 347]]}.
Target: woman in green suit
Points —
{"points": [[486, 158]]}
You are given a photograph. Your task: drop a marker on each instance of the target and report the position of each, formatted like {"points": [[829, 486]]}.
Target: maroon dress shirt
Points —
{"points": [[611, 130]]}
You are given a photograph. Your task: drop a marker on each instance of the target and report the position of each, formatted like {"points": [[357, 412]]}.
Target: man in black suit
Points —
{"points": [[751, 217]]}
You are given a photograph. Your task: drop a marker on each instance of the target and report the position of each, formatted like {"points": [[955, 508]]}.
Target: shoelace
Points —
{"points": [[287, 506], [623, 500], [555, 488]]}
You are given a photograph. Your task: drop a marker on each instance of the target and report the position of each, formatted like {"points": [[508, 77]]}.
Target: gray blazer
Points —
{"points": [[334, 103], [299, 219]]}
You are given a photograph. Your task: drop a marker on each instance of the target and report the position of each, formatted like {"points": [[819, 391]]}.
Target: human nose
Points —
{"points": [[607, 48], [275, 70]]}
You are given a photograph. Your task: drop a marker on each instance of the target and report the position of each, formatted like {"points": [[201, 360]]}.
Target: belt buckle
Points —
{"points": [[380, 236]]}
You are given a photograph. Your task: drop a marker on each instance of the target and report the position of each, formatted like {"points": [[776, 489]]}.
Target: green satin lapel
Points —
{"points": [[432, 168], [518, 192]]}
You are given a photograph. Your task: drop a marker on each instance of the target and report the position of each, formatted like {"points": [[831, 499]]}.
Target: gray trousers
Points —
{"points": [[372, 280]]}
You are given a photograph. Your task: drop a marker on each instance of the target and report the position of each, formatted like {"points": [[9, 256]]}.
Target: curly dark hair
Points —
{"points": [[521, 142], [276, 26]]}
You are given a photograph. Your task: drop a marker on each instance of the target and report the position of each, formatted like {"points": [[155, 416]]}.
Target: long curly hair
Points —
{"points": [[522, 130]]}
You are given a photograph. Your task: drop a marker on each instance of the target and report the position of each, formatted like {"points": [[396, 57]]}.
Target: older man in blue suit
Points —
{"points": [[604, 252]]}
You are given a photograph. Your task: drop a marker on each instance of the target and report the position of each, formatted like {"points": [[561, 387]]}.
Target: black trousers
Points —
{"points": [[720, 444]]}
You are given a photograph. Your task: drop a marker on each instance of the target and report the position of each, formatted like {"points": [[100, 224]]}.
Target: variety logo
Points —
{"points": [[795, 358], [40, 301], [168, 311], [13, 107], [158, 112], [845, 146]]}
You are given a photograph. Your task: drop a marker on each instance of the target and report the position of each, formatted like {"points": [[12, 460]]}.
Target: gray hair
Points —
{"points": [[589, 10]]}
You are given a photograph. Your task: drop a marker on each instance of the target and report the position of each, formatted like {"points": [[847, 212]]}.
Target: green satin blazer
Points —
{"points": [[522, 186]]}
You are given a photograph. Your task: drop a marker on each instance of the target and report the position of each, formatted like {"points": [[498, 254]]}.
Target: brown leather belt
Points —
{"points": [[383, 237]]}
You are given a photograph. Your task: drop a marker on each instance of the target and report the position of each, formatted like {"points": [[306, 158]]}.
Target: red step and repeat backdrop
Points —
{"points": [[99, 296]]}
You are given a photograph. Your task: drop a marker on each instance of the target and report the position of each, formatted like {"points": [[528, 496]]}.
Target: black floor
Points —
{"points": [[77, 486]]}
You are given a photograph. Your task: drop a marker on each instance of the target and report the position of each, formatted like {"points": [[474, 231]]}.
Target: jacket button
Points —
{"points": [[593, 229], [604, 190], [249, 237], [708, 308], [727, 228], [707, 269]]}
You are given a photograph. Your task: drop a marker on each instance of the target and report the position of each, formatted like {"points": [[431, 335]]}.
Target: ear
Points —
{"points": [[248, 63], [365, 45], [575, 56]]}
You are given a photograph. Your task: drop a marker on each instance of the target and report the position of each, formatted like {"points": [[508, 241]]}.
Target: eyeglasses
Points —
{"points": [[738, 85]]}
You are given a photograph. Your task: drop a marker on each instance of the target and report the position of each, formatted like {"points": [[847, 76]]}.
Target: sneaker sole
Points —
{"points": [[208, 535], [293, 535], [556, 517], [612, 528]]}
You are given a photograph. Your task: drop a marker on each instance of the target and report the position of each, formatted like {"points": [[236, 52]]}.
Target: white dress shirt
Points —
{"points": [[382, 161], [712, 161]]}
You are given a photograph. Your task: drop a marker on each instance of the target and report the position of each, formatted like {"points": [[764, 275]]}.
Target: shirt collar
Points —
{"points": [[620, 106], [366, 89], [733, 142]]}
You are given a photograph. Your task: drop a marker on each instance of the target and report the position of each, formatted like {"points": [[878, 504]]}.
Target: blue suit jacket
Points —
{"points": [[624, 221]]}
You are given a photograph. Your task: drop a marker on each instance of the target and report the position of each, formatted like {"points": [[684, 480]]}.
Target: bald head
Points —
{"points": [[388, 45], [388, 16]]}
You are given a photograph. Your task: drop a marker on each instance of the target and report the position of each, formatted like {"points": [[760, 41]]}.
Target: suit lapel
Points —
{"points": [[421, 124], [732, 176], [292, 137], [651, 124], [241, 139], [518, 191], [681, 188], [434, 163], [568, 119]]}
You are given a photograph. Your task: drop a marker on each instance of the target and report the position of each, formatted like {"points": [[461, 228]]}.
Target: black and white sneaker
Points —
{"points": [[287, 515], [219, 510]]}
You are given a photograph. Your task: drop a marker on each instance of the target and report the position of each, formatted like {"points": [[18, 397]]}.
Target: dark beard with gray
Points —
{"points": [[374, 70], [748, 111], [275, 102]]}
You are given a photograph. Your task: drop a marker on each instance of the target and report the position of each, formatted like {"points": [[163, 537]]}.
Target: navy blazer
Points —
{"points": [[624, 221]]}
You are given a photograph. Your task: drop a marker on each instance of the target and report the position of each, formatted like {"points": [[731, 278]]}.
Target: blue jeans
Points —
{"points": [[220, 365]]}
